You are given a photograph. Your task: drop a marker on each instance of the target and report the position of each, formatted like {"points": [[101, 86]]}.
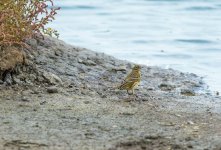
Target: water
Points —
{"points": [[180, 34]]}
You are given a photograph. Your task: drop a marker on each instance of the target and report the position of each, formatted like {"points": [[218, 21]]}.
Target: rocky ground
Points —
{"points": [[65, 97]]}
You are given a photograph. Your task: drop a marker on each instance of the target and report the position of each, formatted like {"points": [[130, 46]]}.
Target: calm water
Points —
{"points": [[180, 34]]}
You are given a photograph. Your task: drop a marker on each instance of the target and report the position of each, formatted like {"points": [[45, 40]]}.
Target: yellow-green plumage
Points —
{"points": [[132, 80]]}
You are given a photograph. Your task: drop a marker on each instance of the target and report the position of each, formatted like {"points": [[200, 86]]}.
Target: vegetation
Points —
{"points": [[19, 21], [22, 19]]}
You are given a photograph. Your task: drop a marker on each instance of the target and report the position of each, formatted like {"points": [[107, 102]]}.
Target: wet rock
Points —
{"points": [[84, 92], [190, 146], [167, 86], [188, 138], [26, 92], [32, 42], [89, 63], [103, 96], [190, 122], [35, 92], [32, 77], [43, 102], [188, 92], [120, 68], [87, 102], [16, 80], [58, 52], [52, 89], [8, 78], [80, 60], [1, 82], [40, 79], [52, 78], [42, 60], [127, 113], [150, 88], [25, 99]]}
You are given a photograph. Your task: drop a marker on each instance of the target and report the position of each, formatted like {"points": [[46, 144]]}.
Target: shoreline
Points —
{"points": [[64, 99]]}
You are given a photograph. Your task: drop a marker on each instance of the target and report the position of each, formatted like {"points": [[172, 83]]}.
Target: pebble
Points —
{"points": [[166, 86], [16, 80], [120, 68], [42, 103], [187, 92], [87, 102], [8, 79], [150, 88], [190, 122], [89, 63], [128, 113], [1, 82], [52, 89], [80, 60], [52, 78], [25, 99]]}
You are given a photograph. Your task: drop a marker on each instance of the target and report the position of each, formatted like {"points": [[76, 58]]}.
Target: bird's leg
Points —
{"points": [[130, 94], [135, 95]]}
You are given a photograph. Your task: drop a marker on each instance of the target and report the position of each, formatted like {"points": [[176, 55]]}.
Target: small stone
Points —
{"points": [[17, 81], [120, 68], [86, 102], [52, 89], [25, 99], [40, 79], [189, 138], [80, 60], [190, 122], [167, 123], [127, 113], [150, 88], [196, 128], [103, 96], [89, 63], [58, 52], [190, 146], [32, 42], [187, 92], [42, 103], [52, 78], [1, 82], [83, 92], [8, 78], [35, 92], [32, 77], [166, 86]]}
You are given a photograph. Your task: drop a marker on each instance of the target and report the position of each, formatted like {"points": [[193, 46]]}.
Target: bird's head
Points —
{"points": [[137, 67]]}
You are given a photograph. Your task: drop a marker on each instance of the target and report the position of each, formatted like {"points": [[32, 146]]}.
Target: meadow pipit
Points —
{"points": [[132, 80]]}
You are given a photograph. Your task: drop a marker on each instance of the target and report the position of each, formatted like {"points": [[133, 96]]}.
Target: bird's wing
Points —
{"points": [[132, 75], [126, 85]]}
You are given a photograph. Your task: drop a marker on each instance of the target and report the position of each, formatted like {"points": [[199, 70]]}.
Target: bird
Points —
{"points": [[132, 80]]}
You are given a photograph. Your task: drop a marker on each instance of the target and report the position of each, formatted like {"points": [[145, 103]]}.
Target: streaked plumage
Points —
{"points": [[132, 80]]}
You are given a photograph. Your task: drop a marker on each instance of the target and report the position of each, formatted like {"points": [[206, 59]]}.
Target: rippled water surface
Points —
{"points": [[179, 34]]}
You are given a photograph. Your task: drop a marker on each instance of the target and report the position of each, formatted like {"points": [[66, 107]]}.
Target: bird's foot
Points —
{"points": [[136, 98]]}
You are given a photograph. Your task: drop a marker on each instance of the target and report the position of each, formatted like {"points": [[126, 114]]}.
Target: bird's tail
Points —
{"points": [[116, 86]]}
